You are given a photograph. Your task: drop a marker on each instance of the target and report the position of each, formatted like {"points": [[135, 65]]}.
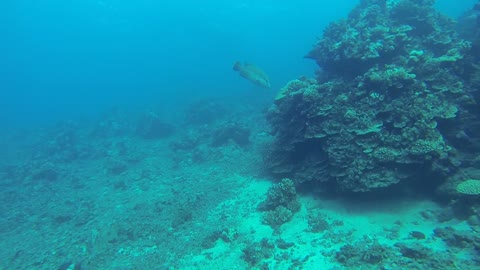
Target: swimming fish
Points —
{"points": [[252, 73]]}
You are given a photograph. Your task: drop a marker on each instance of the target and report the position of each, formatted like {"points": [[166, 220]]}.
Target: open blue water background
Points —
{"points": [[70, 58]]}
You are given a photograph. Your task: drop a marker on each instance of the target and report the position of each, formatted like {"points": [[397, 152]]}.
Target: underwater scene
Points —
{"points": [[239, 134]]}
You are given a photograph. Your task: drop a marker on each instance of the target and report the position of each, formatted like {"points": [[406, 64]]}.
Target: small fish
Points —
{"points": [[252, 73], [70, 266], [417, 235]]}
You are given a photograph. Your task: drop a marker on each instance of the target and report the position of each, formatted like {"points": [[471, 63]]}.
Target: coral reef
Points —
{"points": [[413, 256], [317, 222], [255, 252], [393, 103], [395, 106], [365, 252], [281, 203], [458, 239]]}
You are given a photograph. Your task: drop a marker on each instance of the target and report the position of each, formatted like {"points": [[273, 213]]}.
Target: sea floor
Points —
{"points": [[136, 204]]}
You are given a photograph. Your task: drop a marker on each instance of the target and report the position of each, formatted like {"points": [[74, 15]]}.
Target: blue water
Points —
{"points": [[69, 58], [127, 141]]}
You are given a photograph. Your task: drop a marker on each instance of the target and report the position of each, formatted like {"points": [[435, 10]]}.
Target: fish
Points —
{"points": [[70, 266], [252, 73]]}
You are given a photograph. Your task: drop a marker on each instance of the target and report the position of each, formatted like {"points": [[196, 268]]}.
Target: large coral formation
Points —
{"points": [[390, 103]]}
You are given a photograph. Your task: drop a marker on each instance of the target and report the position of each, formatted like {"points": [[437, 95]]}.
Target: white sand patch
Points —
{"points": [[386, 223]]}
